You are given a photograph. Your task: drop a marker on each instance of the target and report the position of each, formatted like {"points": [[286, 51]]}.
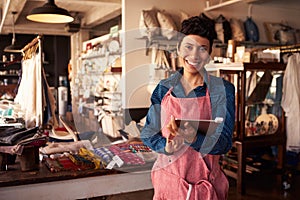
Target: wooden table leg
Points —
{"points": [[241, 168]]}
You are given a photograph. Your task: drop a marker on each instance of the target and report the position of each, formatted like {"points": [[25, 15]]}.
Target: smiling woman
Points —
{"points": [[188, 160]]}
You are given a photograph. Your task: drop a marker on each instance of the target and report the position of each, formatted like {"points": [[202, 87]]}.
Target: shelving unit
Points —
{"points": [[246, 141], [95, 89], [9, 77], [227, 3]]}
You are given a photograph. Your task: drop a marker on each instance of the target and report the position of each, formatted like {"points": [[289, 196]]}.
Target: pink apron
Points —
{"points": [[187, 174]]}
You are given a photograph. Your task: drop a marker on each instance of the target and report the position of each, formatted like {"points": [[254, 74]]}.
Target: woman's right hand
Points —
{"points": [[174, 141], [174, 145]]}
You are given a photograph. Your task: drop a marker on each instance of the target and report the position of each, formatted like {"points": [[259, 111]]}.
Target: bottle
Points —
{"points": [[4, 58], [62, 96], [231, 50]]}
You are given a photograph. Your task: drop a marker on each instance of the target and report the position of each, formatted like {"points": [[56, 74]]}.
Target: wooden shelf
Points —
{"points": [[160, 42], [229, 2], [95, 56], [242, 141]]}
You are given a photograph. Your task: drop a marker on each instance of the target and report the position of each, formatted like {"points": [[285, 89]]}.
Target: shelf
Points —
{"points": [[111, 92], [95, 56], [246, 66], [10, 62], [221, 66], [8, 86], [101, 73], [229, 2], [9, 76], [160, 42], [219, 44], [264, 66]]}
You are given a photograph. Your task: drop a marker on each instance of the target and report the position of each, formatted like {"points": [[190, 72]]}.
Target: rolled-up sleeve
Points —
{"points": [[151, 133]]}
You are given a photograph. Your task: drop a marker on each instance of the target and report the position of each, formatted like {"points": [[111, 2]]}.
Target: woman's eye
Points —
{"points": [[189, 47], [202, 49]]}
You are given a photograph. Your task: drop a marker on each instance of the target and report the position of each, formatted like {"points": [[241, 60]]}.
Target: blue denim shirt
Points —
{"points": [[222, 97]]}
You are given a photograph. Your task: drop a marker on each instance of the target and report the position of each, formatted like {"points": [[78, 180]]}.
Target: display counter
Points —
{"points": [[43, 184]]}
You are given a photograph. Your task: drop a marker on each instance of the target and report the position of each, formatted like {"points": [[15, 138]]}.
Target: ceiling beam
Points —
{"points": [[25, 29], [9, 7], [94, 1], [102, 11], [98, 16], [5, 11]]}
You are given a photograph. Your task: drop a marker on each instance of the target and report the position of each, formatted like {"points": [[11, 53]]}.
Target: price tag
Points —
{"points": [[111, 164], [118, 160]]}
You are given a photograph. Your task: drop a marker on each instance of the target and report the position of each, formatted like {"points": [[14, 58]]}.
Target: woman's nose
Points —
{"points": [[195, 53]]}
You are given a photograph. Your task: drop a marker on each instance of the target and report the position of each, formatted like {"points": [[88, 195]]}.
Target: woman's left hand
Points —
{"points": [[188, 132], [174, 145]]}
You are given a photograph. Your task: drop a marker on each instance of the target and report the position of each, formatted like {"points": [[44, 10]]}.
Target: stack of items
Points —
{"points": [[134, 147], [84, 160], [113, 155], [81, 155], [62, 156], [22, 142]]}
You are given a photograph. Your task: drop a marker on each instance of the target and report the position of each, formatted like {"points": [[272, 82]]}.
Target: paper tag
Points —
{"points": [[118, 160], [111, 164]]}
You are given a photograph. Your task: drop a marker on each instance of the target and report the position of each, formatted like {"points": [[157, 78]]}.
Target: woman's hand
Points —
{"points": [[177, 136], [174, 145], [174, 142], [188, 132]]}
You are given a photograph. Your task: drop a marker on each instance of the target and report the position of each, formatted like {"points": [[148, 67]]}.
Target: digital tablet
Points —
{"points": [[203, 126]]}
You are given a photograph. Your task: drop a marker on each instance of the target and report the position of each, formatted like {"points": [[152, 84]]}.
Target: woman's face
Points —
{"points": [[194, 53]]}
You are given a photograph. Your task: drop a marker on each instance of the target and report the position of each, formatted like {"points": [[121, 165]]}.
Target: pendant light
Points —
{"points": [[50, 13], [13, 48]]}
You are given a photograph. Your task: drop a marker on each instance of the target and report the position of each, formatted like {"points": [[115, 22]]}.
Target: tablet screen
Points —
{"points": [[203, 126]]}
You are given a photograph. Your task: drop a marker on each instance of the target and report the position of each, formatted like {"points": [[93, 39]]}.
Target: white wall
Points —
{"points": [[136, 63]]}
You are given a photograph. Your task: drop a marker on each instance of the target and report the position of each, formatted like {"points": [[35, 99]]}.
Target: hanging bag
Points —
{"points": [[223, 29], [252, 33]]}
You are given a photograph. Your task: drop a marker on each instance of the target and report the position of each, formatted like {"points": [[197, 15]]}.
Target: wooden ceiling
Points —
{"points": [[89, 13]]}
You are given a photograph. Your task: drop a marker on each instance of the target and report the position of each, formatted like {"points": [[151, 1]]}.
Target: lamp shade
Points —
{"points": [[13, 48], [50, 13]]}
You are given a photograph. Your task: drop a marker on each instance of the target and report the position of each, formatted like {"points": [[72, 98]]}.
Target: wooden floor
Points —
{"points": [[265, 186]]}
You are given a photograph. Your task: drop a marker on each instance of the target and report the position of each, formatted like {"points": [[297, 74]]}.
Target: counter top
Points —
{"points": [[72, 184]]}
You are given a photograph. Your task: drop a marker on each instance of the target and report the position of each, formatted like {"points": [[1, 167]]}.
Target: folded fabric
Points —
{"points": [[11, 136], [37, 140], [16, 149], [61, 147]]}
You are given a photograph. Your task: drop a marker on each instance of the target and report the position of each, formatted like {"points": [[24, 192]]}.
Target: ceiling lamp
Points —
{"points": [[13, 48], [50, 13]]}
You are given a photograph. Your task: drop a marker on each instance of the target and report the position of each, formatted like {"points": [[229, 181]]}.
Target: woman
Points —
{"points": [[187, 166]]}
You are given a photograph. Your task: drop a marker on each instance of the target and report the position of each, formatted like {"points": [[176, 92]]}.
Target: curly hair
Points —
{"points": [[199, 26]]}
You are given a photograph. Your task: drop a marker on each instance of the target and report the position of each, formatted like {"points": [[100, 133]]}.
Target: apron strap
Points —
{"points": [[189, 192]]}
